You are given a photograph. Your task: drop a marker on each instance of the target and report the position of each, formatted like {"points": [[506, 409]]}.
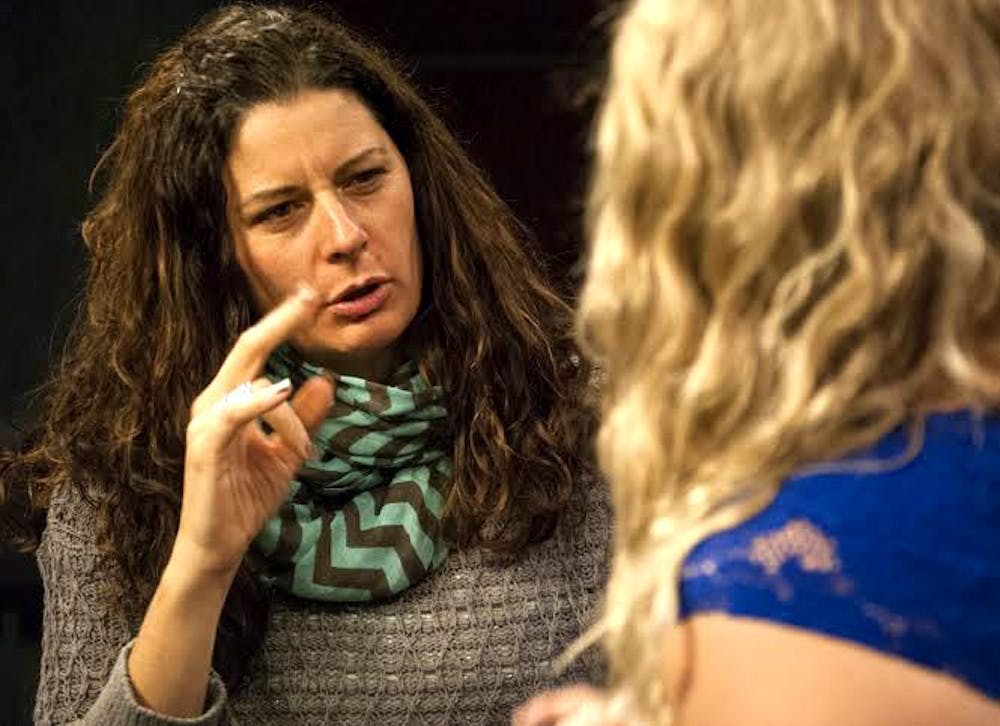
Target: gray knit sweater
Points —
{"points": [[465, 646]]}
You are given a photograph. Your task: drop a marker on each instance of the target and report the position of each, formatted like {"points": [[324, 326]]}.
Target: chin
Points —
{"points": [[368, 336]]}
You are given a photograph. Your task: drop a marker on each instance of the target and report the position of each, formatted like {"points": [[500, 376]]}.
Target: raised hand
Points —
{"points": [[235, 474]]}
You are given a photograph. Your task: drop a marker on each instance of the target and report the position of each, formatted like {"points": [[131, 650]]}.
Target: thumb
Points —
{"points": [[312, 401]]}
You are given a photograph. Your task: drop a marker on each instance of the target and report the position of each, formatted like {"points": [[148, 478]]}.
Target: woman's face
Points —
{"points": [[319, 193]]}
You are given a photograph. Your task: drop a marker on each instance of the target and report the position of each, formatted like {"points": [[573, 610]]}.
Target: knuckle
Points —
{"points": [[204, 419], [197, 406], [194, 430], [250, 338]]}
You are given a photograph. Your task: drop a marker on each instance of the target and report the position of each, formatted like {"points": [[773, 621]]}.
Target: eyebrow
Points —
{"points": [[350, 166], [344, 170]]}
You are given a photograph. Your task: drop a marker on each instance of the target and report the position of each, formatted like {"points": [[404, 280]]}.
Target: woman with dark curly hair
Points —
{"points": [[317, 365]]}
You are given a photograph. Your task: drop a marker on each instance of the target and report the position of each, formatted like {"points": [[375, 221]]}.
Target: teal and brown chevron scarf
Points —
{"points": [[362, 521]]}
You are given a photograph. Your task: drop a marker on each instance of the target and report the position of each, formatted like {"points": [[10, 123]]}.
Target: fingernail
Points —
{"points": [[280, 387]]}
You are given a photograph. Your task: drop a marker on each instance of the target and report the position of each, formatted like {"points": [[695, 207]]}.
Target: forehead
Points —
{"points": [[315, 126]]}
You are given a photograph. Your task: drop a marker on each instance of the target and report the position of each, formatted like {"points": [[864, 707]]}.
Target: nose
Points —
{"points": [[342, 237]]}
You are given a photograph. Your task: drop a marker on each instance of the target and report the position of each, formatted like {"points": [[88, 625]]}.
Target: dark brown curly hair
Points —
{"points": [[166, 300]]}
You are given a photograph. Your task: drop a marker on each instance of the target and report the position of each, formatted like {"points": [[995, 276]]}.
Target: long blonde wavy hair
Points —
{"points": [[793, 218]]}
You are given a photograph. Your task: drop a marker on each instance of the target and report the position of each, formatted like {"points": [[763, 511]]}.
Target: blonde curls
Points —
{"points": [[793, 250]]}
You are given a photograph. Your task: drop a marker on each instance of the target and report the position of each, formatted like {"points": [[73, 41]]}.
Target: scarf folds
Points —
{"points": [[362, 520]]}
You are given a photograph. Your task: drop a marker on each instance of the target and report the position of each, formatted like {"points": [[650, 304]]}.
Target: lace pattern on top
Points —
{"points": [[906, 561]]}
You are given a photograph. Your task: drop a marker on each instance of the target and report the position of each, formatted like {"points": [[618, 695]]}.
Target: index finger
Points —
{"points": [[255, 344]]}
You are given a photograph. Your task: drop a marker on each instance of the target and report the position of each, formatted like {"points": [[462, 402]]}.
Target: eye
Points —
{"points": [[276, 213], [366, 180]]}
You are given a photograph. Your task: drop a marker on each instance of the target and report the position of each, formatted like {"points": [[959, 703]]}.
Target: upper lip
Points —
{"points": [[353, 287]]}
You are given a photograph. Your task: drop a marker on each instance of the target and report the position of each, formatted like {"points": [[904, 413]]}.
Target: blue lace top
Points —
{"points": [[905, 561]]}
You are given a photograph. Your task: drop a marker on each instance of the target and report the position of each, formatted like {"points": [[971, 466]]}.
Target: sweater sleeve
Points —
{"points": [[86, 637]]}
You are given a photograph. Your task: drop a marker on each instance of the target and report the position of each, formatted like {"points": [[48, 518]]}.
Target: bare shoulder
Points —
{"points": [[747, 671]]}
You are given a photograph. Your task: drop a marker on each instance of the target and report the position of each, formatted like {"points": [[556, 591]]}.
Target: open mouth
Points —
{"points": [[358, 293], [361, 301]]}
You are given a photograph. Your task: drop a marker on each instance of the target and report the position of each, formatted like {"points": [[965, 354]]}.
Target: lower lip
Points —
{"points": [[362, 306]]}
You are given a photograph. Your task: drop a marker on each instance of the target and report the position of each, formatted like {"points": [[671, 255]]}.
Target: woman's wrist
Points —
{"points": [[193, 565], [171, 659]]}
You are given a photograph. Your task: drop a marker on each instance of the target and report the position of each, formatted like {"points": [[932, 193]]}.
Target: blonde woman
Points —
{"points": [[794, 288]]}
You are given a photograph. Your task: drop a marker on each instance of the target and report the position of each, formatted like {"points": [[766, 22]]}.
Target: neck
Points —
{"points": [[377, 365]]}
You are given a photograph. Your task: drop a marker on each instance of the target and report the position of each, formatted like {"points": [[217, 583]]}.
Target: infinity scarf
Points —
{"points": [[362, 521]]}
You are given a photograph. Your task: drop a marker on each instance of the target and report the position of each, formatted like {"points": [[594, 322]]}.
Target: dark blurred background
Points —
{"points": [[508, 77]]}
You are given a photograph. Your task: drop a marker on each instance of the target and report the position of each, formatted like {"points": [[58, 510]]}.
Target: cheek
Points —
{"points": [[270, 276], [416, 273], [405, 248], [417, 263], [414, 249]]}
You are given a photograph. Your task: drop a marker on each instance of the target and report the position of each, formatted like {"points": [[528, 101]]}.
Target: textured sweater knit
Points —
{"points": [[465, 646]]}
